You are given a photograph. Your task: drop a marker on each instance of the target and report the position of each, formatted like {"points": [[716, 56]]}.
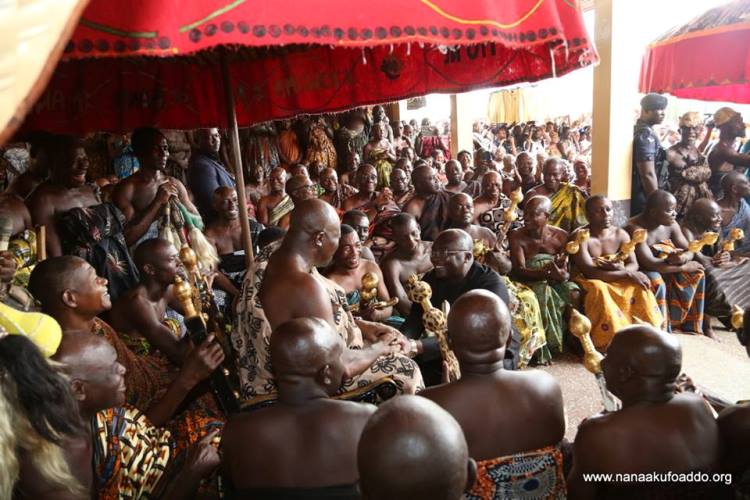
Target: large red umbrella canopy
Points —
{"points": [[137, 62], [707, 59]]}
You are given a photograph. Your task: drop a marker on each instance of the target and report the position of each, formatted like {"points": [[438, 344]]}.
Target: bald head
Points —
{"points": [[312, 216], [413, 449], [733, 179], [454, 239], [658, 200], [304, 347], [478, 323], [539, 202], [643, 356], [150, 252]]}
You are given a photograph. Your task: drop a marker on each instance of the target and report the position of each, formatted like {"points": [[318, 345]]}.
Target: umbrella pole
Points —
{"points": [[239, 176]]}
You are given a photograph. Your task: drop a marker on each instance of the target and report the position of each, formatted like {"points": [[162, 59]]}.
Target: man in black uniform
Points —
{"points": [[649, 157], [454, 274]]}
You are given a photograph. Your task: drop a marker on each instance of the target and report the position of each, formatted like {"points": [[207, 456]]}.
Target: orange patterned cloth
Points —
{"points": [[534, 474]]}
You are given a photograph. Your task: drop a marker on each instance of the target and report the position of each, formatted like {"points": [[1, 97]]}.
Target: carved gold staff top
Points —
{"points": [[368, 297], [435, 322]]}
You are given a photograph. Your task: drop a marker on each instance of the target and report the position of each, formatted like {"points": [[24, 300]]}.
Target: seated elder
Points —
{"points": [[677, 279], [347, 270], [295, 289], [656, 431], [306, 355], [616, 293], [537, 251], [488, 401], [567, 199]]}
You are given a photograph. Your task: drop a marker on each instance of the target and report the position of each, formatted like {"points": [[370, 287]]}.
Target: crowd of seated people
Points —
{"points": [[319, 362]]}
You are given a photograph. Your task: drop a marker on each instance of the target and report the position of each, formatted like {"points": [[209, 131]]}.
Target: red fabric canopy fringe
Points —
{"points": [[355, 53]]}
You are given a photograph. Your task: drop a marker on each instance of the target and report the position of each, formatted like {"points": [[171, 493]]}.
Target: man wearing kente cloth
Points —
{"points": [[537, 251], [567, 199], [347, 269], [70, 291], [334, 193], [273, 207], [727, 283], [655, 432], [488, 401], [677, 280], [293, 288], [142, 196], [225, 234], [429, 204], [735, 211], [122, 454], [380, 154], [307, 363], [616, 293], [490, 206], [455, 272]]}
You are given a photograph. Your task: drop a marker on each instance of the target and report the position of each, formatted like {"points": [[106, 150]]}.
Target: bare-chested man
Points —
{"points": [[359, 221], [724, 158], [350, 169], [656, 431], [320, 434], [488, 400], [299, 188], [142, 196], [676, 277], [347, 269], [526, 179], [277, 204], [410, 256], [141, 312], [437, 466], [615, 291], [64, 190], [537, 251], [286, 285], [430, 203]]}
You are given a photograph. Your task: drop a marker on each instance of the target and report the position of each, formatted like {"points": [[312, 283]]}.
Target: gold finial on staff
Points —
{"points": [[435, 322], [707, 238], [735, 234], [368, 298]]}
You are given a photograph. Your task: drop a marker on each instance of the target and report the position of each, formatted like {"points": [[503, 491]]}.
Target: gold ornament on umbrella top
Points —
{"points": [[368, 298], [435, 322]]}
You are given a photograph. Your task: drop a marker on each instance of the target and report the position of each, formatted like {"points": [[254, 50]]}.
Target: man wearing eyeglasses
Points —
{"points": [[455, 272]]}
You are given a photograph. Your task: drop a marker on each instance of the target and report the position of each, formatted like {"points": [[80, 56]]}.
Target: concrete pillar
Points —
{"points": [[615, 99], [461, 124]]}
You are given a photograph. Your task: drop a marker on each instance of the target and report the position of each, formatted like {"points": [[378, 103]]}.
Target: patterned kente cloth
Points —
{"points": [[726, 287], [147, 379], [534, 474], [553, 297], [383, 166], [96, 235], [131, 456], [434, 218], [282, 208], [567, 208], [613, 305], [252, 333], [680, 296], [23, 248], [320, 147], [527, 319]]}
